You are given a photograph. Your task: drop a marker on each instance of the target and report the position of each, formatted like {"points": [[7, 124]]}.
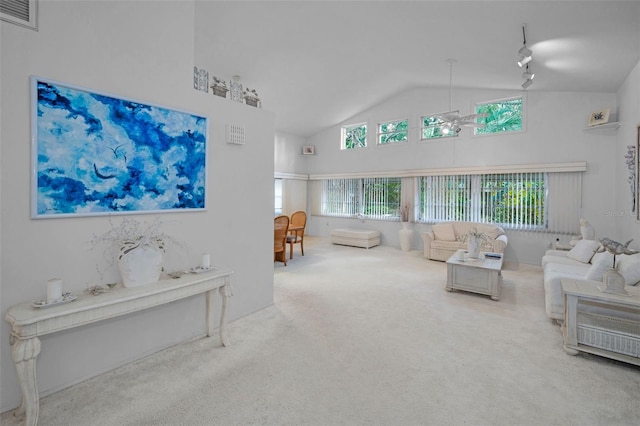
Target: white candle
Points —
{"points": [[206, 261], [54, 289]]}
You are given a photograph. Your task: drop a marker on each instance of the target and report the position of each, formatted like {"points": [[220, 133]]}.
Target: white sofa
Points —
{"points": [[581, 262], [446, 238]]}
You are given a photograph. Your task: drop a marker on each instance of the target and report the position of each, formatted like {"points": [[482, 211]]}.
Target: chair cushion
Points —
{"points": [[444, 231], [583, 250]]}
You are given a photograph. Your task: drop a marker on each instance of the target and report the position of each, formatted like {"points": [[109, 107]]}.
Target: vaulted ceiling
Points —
{"points": [[317, 63]]}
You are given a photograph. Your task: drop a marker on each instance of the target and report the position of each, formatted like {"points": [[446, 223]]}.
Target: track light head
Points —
{"points": [[527, 84], [524, 60], [524, 51], [528, 75]]}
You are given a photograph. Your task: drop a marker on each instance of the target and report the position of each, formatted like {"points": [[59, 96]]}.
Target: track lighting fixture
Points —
{"points": [[524, 52], [528, 75]]}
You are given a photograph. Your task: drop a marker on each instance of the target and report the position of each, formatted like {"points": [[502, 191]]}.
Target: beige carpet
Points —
{"points": [[367, 337]]}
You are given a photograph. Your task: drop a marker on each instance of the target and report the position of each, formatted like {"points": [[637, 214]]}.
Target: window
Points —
{"points": [[354, 136], [432, 129], [278, 197], [374, 198], [393, 131], [502, 116], [513, 200]]}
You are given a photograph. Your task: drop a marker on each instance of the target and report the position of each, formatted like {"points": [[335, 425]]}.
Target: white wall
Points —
{"points": [[142, 51], [555, 123], [627, 226]]}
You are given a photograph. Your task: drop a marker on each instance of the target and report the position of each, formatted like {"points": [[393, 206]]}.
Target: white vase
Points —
{"points": [[473, 246], [406, 237], [140, 261], [613, 281]]}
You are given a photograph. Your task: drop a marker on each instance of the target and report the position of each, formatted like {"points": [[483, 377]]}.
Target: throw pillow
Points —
{"points": [[444, 231], [629, 267], [600, 263], [584, 250], [490, 231]]}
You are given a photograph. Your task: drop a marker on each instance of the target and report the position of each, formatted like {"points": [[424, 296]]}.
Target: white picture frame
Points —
{"points": [[600, 116], [308, 150]]}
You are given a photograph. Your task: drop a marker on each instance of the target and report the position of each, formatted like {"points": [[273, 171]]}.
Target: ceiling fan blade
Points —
{"points": [[470, 124], [449, 116], [473, 117]]}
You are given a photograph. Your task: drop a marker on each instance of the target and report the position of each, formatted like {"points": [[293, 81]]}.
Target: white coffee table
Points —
{"points": [[482, 275]]}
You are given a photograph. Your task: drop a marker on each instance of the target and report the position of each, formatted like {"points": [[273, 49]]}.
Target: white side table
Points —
{"points": [[601, 323]]}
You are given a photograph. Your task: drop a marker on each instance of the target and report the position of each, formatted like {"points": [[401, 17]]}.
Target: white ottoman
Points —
{"points": [[355, 237]]}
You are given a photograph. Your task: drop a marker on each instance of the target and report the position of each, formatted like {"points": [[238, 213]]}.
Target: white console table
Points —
{"points": [[28, 323]]}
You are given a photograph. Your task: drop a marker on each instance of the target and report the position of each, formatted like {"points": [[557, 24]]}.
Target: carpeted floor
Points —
{"points": [[367, 337]]}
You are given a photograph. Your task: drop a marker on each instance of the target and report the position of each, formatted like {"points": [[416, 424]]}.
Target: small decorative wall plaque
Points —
{"points": [[599, 117]]}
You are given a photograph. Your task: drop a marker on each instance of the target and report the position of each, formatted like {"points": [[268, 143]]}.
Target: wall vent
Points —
{"points": [[20, 12], [235, 134]]}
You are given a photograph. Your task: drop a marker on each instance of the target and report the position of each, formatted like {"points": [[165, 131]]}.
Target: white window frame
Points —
{"points": [[343, 135], [380, 133]]}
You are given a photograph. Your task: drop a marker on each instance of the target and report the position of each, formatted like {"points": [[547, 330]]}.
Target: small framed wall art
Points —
{"points": [[599, 117], [308, 150]]}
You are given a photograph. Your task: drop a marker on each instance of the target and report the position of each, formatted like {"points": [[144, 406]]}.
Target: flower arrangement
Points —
{"points": [[130, 234], [219, 87], [251, 97], [219, 83], [474, 234], [251, 93]]}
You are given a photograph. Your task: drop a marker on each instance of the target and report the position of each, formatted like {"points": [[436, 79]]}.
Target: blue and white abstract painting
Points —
{"points": [[95, 154]]}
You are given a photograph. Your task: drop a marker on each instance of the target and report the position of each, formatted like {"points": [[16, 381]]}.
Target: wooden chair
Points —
{"points": [[296, 231], [280, 228]]}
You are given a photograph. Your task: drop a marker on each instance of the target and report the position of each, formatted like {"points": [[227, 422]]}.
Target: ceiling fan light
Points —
{"points": [[527, 83]]}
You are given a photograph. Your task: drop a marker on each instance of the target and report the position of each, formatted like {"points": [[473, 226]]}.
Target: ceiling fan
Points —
{"points": [[452, 121]]}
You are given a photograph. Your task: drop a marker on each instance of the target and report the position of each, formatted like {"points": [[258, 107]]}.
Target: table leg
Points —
{"points": [[25, 352], [569, 328], [225, 292]]}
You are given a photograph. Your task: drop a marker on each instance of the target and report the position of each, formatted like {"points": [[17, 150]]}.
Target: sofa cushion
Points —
{"points": [[629, 267], [600, 263], [583, 250], [490, 231], [444, 231], [559, 258]]}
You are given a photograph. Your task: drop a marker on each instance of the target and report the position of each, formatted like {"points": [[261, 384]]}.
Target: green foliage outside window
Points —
{"points": [[382, 197], [354, 136], [502, 116], [393, 131], [518, 202]]}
